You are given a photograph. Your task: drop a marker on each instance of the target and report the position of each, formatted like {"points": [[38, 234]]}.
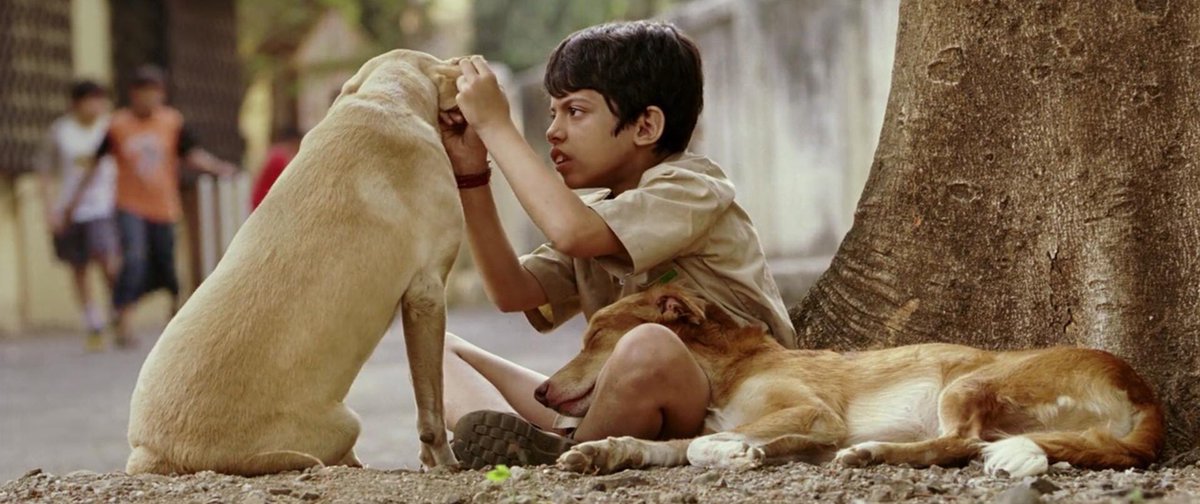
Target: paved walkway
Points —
{"points": [[63, 410]]}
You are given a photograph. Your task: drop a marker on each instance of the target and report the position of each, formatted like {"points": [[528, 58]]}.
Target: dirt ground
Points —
{"points": [[786, 483], [65, 413], [63, 410]]}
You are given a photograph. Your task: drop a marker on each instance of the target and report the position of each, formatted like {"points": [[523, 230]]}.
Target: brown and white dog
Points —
{"points": [[249, 377], [931, 404]]}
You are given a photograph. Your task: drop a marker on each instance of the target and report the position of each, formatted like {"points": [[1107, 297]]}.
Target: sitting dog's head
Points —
{"points": [[415, 78], [569, 391]]}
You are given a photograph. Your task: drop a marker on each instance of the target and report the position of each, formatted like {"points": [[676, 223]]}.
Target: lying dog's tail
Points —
{"points": [[1098, 448]]}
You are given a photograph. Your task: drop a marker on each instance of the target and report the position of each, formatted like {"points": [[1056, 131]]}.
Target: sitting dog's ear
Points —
{"points": [[445, 78], [675, 306]]}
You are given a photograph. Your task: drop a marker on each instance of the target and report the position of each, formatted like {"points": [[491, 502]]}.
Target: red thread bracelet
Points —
{"points": [[474, 179]]}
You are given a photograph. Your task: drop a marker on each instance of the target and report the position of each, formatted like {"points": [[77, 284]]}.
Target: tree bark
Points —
{"points": [[1037, 183]]}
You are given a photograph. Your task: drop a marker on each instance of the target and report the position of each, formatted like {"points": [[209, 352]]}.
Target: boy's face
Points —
{"points": [[585, 151], [145, 98], [91, 107]]}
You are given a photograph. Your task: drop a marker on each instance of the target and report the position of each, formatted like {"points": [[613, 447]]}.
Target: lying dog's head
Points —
{"points": [[425, 82], [694, 320]]}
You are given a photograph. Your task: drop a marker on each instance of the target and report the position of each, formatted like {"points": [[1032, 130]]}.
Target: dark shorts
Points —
{"points": [[87, 240], [147, 259]]}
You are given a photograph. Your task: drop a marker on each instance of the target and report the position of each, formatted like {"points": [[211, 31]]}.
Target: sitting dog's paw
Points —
{"points": [[859, 455], [588, 458], [1019, 456], [724, 451]]}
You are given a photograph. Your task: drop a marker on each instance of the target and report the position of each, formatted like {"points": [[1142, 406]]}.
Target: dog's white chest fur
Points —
{"points": [[904, 412], [738, 410]]}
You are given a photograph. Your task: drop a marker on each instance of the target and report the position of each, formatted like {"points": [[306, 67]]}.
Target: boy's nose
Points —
{"points": [[554, 134]]}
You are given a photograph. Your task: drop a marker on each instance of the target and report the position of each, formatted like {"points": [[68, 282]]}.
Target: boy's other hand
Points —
{"points": [[467, 154], [480, 98]]}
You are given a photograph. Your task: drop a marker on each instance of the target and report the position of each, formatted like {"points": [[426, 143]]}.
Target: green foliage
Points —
{"points": [[522, 32], [517, 32], [269, 29], [499, 474]]}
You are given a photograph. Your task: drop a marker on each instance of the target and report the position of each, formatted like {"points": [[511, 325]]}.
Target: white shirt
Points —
{"points": [[67, 141]]}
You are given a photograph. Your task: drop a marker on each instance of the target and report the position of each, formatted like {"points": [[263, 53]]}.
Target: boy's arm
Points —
{"points": [[572, 227], [509, 285], [201, 159]]}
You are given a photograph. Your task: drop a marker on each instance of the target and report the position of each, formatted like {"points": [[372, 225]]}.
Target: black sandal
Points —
{"points": [[487, 438]]}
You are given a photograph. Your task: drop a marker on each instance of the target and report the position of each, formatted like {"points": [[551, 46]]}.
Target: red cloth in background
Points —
{"points": [[278, 158]]}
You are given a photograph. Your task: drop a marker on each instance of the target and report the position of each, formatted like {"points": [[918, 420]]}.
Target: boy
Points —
{"points": [[148, 140], [625, 100], [87, 233]]}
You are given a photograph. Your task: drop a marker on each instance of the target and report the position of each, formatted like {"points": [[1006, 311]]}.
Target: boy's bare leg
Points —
{"points": [[111, 266], [91, 313], [79, 277], [475, 379], [650, 388]]}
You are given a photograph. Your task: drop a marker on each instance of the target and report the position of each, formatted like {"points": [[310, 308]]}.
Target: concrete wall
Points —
{"points": [[10, 260]]}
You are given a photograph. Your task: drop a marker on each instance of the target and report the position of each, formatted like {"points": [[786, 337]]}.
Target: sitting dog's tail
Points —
{"points": [[281, 460], [144, 461]]}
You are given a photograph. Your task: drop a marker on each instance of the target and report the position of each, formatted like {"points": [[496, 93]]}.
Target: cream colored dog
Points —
{"points": [[365, 223], [933, 404]]}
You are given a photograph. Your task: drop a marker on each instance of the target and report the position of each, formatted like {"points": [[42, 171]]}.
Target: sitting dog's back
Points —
{"points": [[249, 376]]}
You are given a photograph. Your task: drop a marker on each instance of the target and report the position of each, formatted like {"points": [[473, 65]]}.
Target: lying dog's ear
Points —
{"points": [[675, 306]]}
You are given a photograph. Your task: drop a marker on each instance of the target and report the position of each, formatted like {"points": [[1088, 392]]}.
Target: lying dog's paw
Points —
{"points": [[592, 457], [724, 451], [859, 455], [1019, 456]]}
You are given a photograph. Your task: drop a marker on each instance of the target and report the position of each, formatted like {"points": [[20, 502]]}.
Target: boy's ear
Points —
{"points": [[649, 126]]}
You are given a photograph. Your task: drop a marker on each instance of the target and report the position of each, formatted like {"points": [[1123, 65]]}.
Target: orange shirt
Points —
{"points": [[146, 150]]}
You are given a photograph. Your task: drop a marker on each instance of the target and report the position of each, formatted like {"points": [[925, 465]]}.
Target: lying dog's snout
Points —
{"points": [[540, 393]]}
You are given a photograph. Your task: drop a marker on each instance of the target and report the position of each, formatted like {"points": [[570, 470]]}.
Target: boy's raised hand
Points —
{"points": [[480, 98]]}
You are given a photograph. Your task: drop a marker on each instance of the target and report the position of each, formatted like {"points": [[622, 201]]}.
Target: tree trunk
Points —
{"points": [[1037, 183]]}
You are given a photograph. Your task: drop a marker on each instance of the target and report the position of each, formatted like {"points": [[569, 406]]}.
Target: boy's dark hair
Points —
{"points": [[634, 65], [86, 89], [148, 75]]}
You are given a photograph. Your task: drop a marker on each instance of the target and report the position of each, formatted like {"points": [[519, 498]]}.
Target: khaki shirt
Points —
{"points": [[679, 223]]}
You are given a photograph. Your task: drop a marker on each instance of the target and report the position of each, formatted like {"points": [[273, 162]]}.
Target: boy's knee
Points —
{"points": [[648, 354]]}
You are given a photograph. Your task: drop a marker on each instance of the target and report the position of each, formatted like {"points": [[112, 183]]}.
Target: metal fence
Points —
{"points": [[223, 205]]}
